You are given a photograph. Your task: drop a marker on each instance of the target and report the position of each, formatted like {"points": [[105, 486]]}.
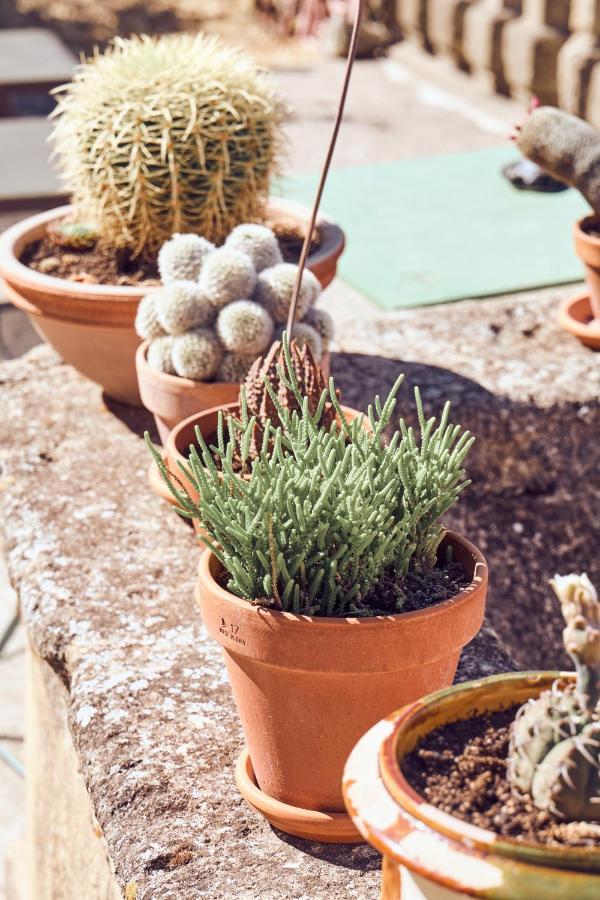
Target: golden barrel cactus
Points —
{"points": [[164, 135]]}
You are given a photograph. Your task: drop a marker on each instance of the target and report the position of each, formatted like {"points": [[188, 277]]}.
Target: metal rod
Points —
{"points": [[338, 121]]}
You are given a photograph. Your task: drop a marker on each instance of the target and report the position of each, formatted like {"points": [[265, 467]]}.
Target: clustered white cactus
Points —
{"points": [[219, 308]]}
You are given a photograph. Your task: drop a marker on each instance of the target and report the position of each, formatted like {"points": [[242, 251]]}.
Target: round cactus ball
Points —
{"points": [[147, 324], [306, 334], [159, 354], [181, 306], [181, 258], [244, 327], [275, 286], [227, 275], [197, 354], [258, 242], [234, 367], [321, 321]]}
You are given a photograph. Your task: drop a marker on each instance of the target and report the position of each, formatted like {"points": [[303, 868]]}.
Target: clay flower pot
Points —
{"points": [[429, 854], [307, 687], [172, 399], [575, 316], [92, 325], [587, 248]]}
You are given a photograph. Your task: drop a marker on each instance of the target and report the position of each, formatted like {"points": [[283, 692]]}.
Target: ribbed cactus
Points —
{"points": [[181, 306], [327, 509], [555, 741], [181, 258], [244, 327], [227, 275], [147, 324], [196, 355], [258, 242], [159, 355], [275, 286], [164, 135]]}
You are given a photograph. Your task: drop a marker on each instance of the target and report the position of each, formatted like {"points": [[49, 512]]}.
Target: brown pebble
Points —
{"points": [[50, 264]]}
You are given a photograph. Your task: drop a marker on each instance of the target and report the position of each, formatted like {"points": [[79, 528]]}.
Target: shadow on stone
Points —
{"points": [[136, 418], [360, 857], [17, 335]]}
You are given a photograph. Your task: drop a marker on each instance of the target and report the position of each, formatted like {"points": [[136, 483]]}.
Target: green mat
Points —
{"points": [[423, 231]]}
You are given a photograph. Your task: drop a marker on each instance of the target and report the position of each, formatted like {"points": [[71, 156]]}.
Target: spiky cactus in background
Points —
{"points": [[555, 741], [146, 319], [321, 321], [181, 258], [165, 135], [566, 147], [258, 242], [244, 327], [275, 286], [234, 367], [160, 354]]}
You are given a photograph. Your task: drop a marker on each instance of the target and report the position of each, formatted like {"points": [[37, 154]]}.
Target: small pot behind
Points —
{"points": [[587, 248], [575, 316], [430, 854], [307, 688]]}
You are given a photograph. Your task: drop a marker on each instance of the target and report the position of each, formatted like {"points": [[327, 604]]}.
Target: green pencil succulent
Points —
{"points": [[555, 741], [164, 135], [326, 510]]}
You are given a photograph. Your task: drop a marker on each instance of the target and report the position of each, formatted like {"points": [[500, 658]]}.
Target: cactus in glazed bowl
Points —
{"points": [[555, 740], [164, 135]]}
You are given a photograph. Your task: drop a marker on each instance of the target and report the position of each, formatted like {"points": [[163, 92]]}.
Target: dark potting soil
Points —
{"points": [[396, 595], [105, 264], [461, 769]]}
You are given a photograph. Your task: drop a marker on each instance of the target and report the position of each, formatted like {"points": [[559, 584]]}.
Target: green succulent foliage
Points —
{"points": [[554, 753], [325, 511]]}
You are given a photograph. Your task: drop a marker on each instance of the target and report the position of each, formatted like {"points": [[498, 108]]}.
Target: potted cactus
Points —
{"points": [[329, 581], [155, 136], [218, 309], [569, 149], [492, 788]]}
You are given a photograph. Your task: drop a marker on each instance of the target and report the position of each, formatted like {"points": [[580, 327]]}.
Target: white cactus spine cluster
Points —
{"points": [[219, 308]]}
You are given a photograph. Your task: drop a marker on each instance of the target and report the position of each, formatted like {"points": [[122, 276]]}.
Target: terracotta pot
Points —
{"points": [[587, 248], [92, 325], [575, 316], [429, 854], [306, 688]]}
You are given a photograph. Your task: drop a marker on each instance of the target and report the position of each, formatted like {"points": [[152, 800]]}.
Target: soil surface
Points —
{"points": [[105, 264], [394, 595], [461, 769]]}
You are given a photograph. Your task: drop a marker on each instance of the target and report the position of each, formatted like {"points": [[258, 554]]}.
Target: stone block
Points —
{"points": [[445, 27], [530, 47], [482, 40], [412, 19], [578, 57]]}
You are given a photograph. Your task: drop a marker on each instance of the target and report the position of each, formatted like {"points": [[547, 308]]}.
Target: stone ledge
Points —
{"points": [[105, 577]]}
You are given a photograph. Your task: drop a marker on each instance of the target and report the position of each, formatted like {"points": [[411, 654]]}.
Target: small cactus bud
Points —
{"points": [[147, 325], [258, 242], [158, 355], [245, 327], [196, 355], [275, 286], [72, 235], [321, 321], [181, 306], [234, 367], [227, 275], [181, 258]]}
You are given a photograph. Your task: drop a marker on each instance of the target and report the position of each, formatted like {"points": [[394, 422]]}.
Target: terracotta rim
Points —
{"points": [[309, 824], [587, 332], [582, 235], [15, 238], [421, 717]]}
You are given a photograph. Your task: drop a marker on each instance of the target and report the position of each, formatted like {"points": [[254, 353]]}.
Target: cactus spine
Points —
{"points": [[555, 741], [170, 134]]}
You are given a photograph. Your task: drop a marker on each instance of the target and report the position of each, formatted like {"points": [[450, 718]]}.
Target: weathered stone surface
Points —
{"points": [[105, 576], [531, 395]]}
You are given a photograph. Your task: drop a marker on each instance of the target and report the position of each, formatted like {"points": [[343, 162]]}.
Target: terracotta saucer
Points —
{"points": [[330, 828], [575, 316]]}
